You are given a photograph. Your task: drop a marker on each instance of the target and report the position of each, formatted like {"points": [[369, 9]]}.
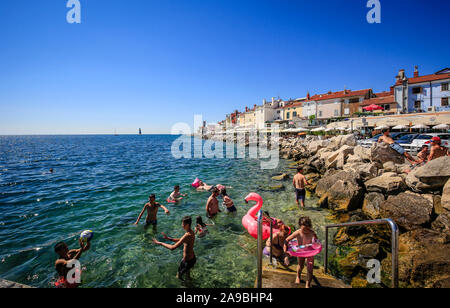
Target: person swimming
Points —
{"points": [[201, 228], [227, 202], [176, 196], [202, 186]]}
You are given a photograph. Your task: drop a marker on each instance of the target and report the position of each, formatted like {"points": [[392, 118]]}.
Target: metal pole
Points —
{"points": [[260, 250], [394, 256], [394, 242], [271, 238], [326, 250]]}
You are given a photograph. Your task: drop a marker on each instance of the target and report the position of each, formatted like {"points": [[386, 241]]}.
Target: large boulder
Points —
{"points": [[442, 223], [388, 183], [371, 205], [382, 153], [445, 201], [409, 210], [340, 191], [316, 145], [366, 171], [362, 153], [424, 259], [430, 177], [338, 158]]}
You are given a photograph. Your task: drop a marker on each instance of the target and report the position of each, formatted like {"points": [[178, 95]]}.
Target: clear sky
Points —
{"points": [[150, 64]]}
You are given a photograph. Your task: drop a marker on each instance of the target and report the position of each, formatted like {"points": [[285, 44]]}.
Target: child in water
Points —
{"points": [[201, 228], [305, 236], [227, 202], [63, 264], [152, 211], [187, 241], [176, 195]]}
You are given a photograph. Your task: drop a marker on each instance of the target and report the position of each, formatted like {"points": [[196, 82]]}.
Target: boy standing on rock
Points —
{"points": [[300, 183]]}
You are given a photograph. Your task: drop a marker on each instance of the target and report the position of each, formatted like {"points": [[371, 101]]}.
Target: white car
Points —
{"points": [[425, 139]]}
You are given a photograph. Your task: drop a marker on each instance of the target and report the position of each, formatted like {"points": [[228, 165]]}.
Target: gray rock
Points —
{"points": [[362, 153], [340, 191], [430, 177], [445, 201], [388, 183], [371, 205], [382, 153], [409, 210], [442, 223], [366, 171]]}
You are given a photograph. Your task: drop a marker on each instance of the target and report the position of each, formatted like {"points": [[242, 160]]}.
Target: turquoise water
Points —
{"points": [[101, 183]]}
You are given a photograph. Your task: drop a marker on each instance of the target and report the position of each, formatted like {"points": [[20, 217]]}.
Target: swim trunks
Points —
{"points": [[151, 222], [300, 194], [398, 148], [231, 209], [186, 266]]}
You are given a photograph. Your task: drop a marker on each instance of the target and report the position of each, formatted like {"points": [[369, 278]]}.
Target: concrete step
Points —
{"points": [[284, 277]]}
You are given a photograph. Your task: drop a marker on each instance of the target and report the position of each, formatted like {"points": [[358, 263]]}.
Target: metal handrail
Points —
{"points": [[260, 249], [394, 242]]}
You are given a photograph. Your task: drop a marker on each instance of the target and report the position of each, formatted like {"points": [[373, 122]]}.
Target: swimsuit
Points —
{"points": [[231, 209], [151, 222], [186, 266], [202, 231], [300, 194]]}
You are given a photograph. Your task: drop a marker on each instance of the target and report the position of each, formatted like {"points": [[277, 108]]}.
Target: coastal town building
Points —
{"points": [[340, 104], [428, 93], [294, 109], [267, 113], [385, 100]]}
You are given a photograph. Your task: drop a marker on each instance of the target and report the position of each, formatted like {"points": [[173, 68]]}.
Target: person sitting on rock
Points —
{"points": [[386, 138], [437, 150], [422, 157]]}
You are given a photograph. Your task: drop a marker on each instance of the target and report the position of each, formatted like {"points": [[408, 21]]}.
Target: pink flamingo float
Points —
{"points": [[249, 221]]}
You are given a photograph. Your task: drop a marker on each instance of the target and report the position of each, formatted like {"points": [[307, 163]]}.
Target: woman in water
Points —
{"points": [[277, 244], [228, 202]]}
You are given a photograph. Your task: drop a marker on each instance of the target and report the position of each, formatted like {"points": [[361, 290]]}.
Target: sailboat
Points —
{"points": [[115, 133], [140, 132]]}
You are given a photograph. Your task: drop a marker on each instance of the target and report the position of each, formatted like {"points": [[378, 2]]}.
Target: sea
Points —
{"points": [[101, 183]]}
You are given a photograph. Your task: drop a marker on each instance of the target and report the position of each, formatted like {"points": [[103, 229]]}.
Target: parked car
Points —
{"points": [[425, 139], [407, 140], [368, 142]]}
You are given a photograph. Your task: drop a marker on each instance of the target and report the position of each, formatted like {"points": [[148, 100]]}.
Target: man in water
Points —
{"points": [[386, 138], [212, 206], [437, 150], [300, 183], [188, 240], [63, 264], [152, 211]]}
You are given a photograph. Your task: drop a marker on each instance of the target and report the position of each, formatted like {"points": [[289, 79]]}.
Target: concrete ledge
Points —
{"points": [[5, 284]]}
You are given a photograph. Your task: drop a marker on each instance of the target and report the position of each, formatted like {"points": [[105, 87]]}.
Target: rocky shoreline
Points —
{"points": [[358, 183], [362, 184]]}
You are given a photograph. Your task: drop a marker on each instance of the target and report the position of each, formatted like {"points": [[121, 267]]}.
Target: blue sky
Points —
{"points": [[150, 64]]}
